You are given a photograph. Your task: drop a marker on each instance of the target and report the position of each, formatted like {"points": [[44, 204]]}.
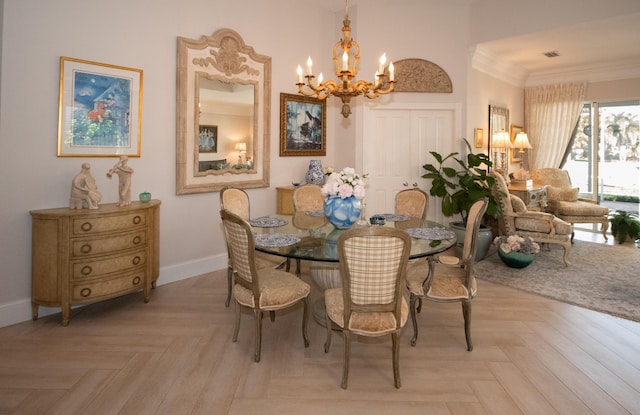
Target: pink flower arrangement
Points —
{"points": [[345, 183], [517, 243]]}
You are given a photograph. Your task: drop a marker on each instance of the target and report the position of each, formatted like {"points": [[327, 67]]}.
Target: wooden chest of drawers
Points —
{"points": [[81, 256]]}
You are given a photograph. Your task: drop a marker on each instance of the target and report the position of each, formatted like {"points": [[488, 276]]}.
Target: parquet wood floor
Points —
{"points": [[174, 355]]}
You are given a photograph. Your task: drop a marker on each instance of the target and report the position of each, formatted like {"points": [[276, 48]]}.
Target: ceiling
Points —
{"points": [[592, 44], [589, 44]]}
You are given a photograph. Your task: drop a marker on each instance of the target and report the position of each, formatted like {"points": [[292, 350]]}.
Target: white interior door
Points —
{"points": [[396, 144]]}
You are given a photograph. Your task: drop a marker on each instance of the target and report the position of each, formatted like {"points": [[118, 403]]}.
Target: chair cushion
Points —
{"points": [[278, 289], [579, 208], [448, 282], [569, 194], [538, 225], [366, 324]]}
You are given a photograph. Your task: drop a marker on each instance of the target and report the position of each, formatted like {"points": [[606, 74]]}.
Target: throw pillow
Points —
{"points": [[563, 194]]}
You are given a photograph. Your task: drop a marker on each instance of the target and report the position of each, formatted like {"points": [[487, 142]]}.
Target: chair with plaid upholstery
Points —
{"points": [[446, 278], [265, 289], [373, 264], [237, 201]]}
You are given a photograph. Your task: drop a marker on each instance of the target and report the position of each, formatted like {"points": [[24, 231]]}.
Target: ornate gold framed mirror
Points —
{"points": [[223, 114]]}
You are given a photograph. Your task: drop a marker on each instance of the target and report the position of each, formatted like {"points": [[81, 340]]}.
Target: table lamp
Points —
{"points": [[242, 149], [500, 143]]}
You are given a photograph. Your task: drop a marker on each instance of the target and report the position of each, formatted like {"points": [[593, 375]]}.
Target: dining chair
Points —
{"points": [[373, 265], [447, 278], [260, 289], [412, 203], [237, 201], [307, 198]]}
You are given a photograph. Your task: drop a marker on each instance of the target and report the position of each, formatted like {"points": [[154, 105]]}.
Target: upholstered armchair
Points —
{"points": [[563, 200], [543, 227]]}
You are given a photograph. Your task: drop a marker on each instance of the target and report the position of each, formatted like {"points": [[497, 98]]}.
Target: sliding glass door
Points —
{"points": [[604, 162]]}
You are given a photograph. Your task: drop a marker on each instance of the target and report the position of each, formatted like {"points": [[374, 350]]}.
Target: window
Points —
{"points": [[604, 162]]}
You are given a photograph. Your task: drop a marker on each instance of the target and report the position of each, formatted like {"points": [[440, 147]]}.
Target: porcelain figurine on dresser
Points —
{"points": [[84, 191], [124, 173]]}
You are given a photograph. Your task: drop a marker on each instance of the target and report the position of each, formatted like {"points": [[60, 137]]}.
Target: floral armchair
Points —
{"points": [[563, 200], [542, 227]]}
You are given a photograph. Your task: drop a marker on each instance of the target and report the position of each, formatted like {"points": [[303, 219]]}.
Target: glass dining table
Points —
{"points": [[309, 236]]}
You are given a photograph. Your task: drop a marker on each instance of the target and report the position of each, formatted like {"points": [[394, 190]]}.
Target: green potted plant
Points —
{"points": [[461, 186], [624, 224]]}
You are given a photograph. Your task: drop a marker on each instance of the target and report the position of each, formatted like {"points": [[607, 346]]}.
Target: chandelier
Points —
{"points": [[346, 70]]}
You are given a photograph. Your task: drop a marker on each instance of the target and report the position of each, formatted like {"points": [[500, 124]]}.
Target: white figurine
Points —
{"points": [[124, 173], [84, 192]]}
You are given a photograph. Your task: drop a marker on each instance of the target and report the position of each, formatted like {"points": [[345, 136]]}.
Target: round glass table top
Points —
{"points": [[311, 237]]}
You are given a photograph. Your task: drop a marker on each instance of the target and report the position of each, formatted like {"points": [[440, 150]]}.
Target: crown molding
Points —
{"points": [[504, 70], [484, 61], [609, 71]]}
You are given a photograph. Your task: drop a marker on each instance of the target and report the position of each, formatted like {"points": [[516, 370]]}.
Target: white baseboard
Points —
{"points": [[19, 311]]}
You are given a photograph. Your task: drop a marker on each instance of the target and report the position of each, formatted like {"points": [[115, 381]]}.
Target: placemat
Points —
{"points": [[434, 234], [276, 239], [267, 222]]}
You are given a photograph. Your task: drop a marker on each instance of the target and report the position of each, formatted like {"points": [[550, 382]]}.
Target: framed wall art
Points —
{"points": [[478, 135], [208, 139], [302, 126], [99, 109]]}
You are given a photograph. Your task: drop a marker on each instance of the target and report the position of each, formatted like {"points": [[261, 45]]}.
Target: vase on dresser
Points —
{"points": [[315, 175]]}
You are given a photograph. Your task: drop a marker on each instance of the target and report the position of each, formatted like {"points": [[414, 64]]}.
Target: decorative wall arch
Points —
{"points": [[419, 75]]}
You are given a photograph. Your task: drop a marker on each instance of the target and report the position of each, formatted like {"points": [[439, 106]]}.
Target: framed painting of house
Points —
{"points": [[99, 109], [302, 126]]}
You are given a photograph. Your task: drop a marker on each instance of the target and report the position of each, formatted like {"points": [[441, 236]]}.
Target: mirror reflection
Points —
{"points": [[225, 124]]}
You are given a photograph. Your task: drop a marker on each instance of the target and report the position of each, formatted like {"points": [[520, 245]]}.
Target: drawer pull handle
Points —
{"points": [[86, 226], [136, 281], [136, 260], [137, 220], [85, 292], [137, 240], [85, 249], [405, 184], [86, 270]]}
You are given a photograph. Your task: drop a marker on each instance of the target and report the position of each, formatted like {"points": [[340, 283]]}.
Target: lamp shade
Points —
{"points": [[501, 140], [241, 146], [522, 141]]}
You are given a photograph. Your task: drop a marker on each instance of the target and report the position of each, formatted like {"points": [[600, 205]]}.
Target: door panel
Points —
{"points": [[395, 147]]}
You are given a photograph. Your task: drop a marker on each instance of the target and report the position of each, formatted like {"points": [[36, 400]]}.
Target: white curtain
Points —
{"points": [[550, 115]]}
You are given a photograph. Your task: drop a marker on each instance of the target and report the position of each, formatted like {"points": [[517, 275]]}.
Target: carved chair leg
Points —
{"points": [[305, 319], [466, 313], [414, 318], [328, 323], [229, 285], [396, 359], [258, 318], [272, 315], [236, 327], [346, 359]]}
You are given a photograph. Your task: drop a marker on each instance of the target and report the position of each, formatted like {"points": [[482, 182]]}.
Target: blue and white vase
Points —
{"points": [[314, 174], [342, 213]]}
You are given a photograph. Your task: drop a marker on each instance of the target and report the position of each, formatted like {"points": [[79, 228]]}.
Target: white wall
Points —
{"points": [[142, 34]]}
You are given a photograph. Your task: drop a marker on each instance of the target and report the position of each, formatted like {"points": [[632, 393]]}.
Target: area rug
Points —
{"points": [[600, 277]]}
